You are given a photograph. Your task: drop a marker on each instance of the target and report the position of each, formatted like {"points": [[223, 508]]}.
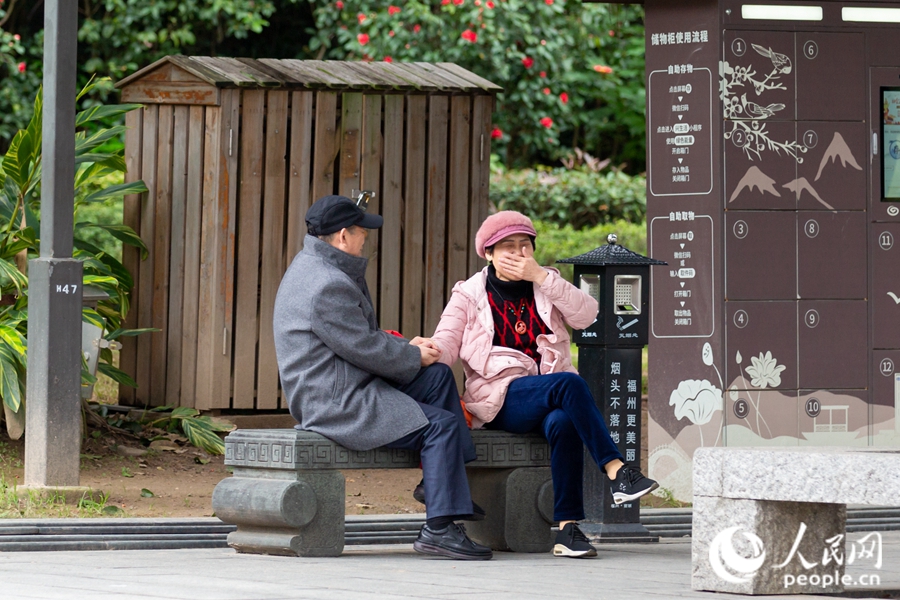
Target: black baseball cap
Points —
{"points": [[333, 213]]}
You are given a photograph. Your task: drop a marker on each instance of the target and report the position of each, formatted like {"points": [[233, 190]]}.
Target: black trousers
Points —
{"points": [[445, 444]]}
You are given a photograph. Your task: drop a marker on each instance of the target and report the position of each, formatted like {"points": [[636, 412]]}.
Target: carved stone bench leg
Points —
{"points": [[726, 557], [302, 515], [519, 506]]}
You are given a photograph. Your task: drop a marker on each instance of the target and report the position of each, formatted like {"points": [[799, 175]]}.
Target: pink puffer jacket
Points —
{"points": [[466, 331]]}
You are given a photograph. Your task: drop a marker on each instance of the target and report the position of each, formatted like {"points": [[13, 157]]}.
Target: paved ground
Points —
{"points": [[622, 572]]}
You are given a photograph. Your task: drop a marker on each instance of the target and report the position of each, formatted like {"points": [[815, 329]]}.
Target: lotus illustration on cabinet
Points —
{"points": [[697, 400]]}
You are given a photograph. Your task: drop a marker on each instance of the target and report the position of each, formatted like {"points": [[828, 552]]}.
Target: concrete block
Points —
{"points": [[517, 503], [747, 546]]}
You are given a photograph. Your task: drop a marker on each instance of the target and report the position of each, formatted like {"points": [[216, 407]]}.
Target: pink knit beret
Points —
{"points": [[500, 225]]}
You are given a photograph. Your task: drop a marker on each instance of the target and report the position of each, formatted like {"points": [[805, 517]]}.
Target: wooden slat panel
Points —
{"points": [[458, 193], [470, 76], [351, 126], [337, 69], [301, 164], [272, 245], [480, 172], [370, 179], [326, 147], [413, 218], [311, 77], [392, 211], [192, 234], [171, 92], [145, 284], [436, 211], [421, 77], [161, 242], [246, 329], [176, 257], [131, 257], [447, 77], [212, 257], [232, 124]]}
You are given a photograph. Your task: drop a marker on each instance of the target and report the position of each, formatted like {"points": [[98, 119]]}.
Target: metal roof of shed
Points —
{"points": [[224, 72]]}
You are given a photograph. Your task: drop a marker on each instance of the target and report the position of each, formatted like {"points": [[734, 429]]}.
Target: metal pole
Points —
{"points": [[53, 413]]}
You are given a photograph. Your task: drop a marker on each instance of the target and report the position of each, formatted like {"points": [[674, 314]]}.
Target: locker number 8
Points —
{"points": [[811, 228]]}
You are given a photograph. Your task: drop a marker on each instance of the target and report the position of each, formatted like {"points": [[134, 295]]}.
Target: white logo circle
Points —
{"points": [[731, 566], [893, 211]]}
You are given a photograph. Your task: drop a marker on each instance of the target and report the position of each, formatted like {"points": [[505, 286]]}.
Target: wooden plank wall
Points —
{"points": [[229, 188]]}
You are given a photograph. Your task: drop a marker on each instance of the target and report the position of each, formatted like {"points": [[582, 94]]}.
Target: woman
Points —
{"points": [[507, 324]]}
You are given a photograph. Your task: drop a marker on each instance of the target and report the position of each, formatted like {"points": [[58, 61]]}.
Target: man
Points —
{"points": [[362, 387]]}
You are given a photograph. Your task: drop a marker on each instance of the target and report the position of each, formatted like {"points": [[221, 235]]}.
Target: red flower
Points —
{"points": [[363, 39], [549, 2], [528, 62], [489, 4], [603, 69], [469, 36], [445, 2], [360, 17], [417, 28], [496, 133], [564, 98], [546, 91], [391, 33], [21, 67], [547, 122], [612, 33], [339, 5], [477, 2], [543, 74], [17, 37], [458, 2], [388, 59], [393, 10]]}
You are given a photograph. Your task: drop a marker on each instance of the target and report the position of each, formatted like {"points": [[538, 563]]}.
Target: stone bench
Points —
{"points": [[286, 495], [751, 505]]}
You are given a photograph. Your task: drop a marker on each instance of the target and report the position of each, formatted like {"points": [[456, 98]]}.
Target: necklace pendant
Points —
{"points": [[520, 327]]}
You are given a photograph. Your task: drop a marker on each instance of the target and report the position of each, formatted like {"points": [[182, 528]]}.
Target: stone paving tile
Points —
{"points": [[621, 572]]}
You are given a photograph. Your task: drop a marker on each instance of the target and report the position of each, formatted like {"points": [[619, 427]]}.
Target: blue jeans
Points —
{"points": [[560, 406]]}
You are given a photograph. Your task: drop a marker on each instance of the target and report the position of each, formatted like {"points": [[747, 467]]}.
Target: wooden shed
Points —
{"points": [[234, 150]]}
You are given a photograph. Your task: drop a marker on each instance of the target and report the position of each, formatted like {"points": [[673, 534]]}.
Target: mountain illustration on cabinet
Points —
{"points": [[756, 179], [838, 149]]}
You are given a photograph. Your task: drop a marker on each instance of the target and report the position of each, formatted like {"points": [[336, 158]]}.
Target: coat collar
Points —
{"points": [[354, 266]]}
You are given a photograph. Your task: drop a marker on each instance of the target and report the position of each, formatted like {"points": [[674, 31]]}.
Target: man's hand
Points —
{"points": [[429, 356], [420, 341], [525, 268]]}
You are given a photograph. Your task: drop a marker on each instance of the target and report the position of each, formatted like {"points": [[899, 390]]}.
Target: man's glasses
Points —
{"points": [[362, 199]]}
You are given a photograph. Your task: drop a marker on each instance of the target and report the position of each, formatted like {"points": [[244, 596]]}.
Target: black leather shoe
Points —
{"points": [[478, 513], [451, 542]]}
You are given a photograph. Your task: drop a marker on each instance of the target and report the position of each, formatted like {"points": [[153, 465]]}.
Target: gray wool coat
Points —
{"points": [[335, 363]]}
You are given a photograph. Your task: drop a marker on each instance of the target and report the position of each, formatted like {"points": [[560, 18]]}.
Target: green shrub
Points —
{"points": [[554, 242], [577, 197]]}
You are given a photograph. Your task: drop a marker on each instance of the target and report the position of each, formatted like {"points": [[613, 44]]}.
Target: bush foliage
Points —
{"points": [[554, 241], [578, 198]]}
